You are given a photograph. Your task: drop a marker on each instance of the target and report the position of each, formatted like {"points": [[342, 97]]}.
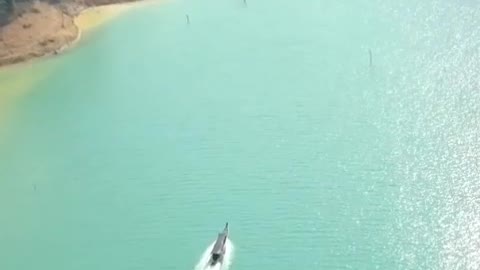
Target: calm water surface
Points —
{"points": [[142, 142]]}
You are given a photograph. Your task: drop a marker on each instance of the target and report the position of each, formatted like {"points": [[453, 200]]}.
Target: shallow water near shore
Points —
{"points": [[136, 147]]}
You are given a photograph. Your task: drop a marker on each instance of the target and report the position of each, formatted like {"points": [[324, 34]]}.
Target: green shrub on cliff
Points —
{"points": [[10, 6], [8, 10]]}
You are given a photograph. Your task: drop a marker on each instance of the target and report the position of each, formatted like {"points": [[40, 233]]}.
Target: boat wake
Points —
{"points": [[227, 259]]}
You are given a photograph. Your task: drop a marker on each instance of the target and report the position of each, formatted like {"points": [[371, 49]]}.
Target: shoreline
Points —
{"points": [[75, 20], [18, 78]]}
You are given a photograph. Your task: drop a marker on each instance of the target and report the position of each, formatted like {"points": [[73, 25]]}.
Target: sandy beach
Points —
{"points": [[45, 30]]}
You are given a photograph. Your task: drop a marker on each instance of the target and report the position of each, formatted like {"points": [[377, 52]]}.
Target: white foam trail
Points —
{"points": [[227, 259]]}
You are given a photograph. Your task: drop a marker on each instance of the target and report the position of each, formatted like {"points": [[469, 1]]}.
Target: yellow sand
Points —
{"points": [[96, 16]]}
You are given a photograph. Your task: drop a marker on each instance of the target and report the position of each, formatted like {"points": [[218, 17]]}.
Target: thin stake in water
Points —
{"points": [[371, 57]]}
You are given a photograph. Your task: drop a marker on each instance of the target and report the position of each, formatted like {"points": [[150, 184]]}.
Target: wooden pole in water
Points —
{"points": [[188, 19], [371, 57]]}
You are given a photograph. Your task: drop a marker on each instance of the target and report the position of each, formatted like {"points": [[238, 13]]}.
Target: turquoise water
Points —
{"points": [[148, 137]]}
